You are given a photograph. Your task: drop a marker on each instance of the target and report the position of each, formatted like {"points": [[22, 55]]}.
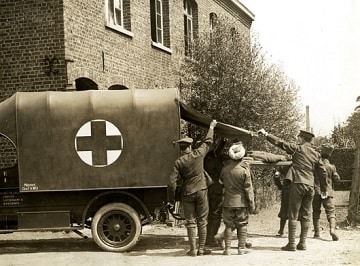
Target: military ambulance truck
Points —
{"points": [[91, 159]]}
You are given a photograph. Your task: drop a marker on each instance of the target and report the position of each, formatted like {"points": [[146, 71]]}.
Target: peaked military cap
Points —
{"points": [[306, 134], [185, 140]]}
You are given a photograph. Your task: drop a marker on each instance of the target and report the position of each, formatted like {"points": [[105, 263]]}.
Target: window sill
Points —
{"points": [[161, 47], [121, 30]]}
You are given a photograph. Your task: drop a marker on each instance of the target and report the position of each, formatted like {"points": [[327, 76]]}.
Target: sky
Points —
{"points": [[317, 44]]}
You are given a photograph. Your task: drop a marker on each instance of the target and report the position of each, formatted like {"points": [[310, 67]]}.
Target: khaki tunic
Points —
{"points": [[305, 161]]}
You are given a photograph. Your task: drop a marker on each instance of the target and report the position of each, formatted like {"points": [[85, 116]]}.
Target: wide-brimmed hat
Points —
{"points": [[237, 151]]}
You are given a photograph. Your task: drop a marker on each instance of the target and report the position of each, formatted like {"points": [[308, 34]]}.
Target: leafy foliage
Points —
{"points": [[343, 159], [346, 139], [342, 137], [228, 79], [353, 127]]}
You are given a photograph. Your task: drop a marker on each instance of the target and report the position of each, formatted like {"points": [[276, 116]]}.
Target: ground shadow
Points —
{"points": [[169, 245], [148, 243], [47, 245], [266, 235]]}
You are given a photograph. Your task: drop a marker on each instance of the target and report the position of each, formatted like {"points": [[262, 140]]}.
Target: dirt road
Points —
{"points": [[162, 245]]}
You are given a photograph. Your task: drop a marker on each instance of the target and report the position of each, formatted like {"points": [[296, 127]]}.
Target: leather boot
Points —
{"points": [[303, 235], [248, 245], [332, 223], [290, 246], [219, 239], [216, 226], [202, 239], [210, 234], [316, 223], [191, 231], [282, 226], [212, 230], [228, 238], [242, 235]]}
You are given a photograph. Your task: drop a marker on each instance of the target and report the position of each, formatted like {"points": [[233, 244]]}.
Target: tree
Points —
{"points": [[353, 126], [228, 79], [348, 136], [342, 138]]}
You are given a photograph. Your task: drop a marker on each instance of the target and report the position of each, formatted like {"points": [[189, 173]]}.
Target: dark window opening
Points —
{"points": [[83, 84], [118, 87]]}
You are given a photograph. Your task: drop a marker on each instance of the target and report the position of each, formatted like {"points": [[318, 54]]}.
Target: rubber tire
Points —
{"points": [[126, 221]]}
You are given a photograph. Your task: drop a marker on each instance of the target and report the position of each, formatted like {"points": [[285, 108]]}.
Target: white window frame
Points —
{"points": [[159, 22], [188, 14], [158, 40], [112, 20]]}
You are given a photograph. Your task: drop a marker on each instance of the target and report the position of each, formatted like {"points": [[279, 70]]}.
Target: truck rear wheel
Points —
{"points": [[116, 227]]}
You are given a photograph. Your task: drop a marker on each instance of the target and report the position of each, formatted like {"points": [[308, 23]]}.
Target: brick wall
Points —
{"points": [[110, 57], [30, 32]]}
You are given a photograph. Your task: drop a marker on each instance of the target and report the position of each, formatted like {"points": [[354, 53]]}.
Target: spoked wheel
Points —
{"points": [[116, 227]]}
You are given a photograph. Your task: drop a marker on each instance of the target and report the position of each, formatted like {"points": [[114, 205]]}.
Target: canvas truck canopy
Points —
{"points": [[221, 129], [92, 139], [98, 139], [8, 119]]}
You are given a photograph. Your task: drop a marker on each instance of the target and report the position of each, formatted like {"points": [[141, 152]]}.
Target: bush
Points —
{"points": [[266, 193], [343, 159]]}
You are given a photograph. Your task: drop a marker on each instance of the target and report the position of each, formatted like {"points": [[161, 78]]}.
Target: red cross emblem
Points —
{"points": [[98, 143]]}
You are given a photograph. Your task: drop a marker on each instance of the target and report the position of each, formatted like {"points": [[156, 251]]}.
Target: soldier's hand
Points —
{"points": [[213, 123], [277, 174], [262, 132], [170, 206], [324, 195]]}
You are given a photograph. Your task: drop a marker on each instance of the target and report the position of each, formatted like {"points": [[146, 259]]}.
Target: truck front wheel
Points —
{"points": [[116, 227]]}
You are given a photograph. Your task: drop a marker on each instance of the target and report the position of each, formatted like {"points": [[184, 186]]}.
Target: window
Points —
{"points": [[190, 25], [83, 84], [117, 87], [213, 21], [160, 23], [117, 13]]}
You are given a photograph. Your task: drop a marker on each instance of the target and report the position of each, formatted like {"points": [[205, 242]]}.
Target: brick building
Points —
{"points": [[116, 44], [108, 44]]}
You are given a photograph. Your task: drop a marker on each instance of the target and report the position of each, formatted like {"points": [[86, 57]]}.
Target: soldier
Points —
{"points": [[283, 186], [189, 171], [213, 165], [305, 161], [325, 200], [238, 197]]}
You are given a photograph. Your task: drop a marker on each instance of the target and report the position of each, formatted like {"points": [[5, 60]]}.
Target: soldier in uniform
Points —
{"points": [[213, 165], [238, 197], [305, 161], [327, 199], [189, 171], [283, 186]]}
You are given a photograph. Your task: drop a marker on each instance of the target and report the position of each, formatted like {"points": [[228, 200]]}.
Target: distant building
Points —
{"points": [[109, 44]]}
